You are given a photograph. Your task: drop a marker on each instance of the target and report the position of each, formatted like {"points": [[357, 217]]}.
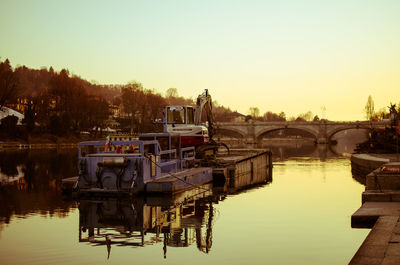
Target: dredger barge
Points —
{"points": [[156, 163], [182, 157]]}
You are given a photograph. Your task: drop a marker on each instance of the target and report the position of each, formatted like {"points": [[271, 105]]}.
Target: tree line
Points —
{"points": [[52, 102], [254, 113], [62, 104], [369, 111]]}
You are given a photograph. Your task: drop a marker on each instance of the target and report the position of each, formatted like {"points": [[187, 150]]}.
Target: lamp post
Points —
{"points": [[397, 135], [395, 121], [397, 141]]}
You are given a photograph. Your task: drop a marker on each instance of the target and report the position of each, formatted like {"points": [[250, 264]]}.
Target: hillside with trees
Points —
{"points": [[62, 104]]}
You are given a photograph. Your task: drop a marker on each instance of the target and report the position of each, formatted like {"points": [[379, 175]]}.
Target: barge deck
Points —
{"points": [[152, 168]]}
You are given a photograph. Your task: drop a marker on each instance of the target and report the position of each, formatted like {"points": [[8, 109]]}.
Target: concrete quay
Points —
{"points": [[380, 211], [382, 245]]}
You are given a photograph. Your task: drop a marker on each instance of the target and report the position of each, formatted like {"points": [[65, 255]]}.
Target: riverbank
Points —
{"points": [[380, 209]]}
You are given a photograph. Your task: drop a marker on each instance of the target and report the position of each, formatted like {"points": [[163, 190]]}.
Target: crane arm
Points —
{"points": [[204, 102]]}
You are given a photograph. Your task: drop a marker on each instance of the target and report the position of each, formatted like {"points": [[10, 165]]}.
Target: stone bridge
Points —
{"points": [[322, 131]]}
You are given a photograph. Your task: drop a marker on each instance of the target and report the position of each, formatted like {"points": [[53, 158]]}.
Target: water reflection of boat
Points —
{"points": [[6, 179], [177, 220]]}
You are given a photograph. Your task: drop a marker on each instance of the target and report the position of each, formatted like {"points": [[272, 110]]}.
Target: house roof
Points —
{"points": [[5, 112]]}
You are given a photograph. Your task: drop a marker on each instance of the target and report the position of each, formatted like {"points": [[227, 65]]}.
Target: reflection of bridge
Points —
{"points": [[323, 131]]}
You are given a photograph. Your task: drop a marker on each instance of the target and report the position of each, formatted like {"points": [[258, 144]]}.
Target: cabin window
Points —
{"points": [[190, 116], [176, 115]]}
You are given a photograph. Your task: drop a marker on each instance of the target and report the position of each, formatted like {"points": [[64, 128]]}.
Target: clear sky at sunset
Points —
{"points": [[291, 56]]}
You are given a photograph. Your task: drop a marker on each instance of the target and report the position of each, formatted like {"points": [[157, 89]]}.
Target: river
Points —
{"points": [[302, 216]]}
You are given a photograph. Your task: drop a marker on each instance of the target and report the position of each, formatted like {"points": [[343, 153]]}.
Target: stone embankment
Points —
{"points": [[380, 210]]}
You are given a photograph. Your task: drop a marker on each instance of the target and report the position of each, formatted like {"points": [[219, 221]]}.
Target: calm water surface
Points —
{"points": [[301, 217]]}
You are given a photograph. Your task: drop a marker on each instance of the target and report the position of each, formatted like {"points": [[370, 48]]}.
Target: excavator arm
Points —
{"points": [[204, 102]]}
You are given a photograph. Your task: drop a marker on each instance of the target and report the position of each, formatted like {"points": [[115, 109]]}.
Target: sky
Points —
{"points": [[290, 56]]}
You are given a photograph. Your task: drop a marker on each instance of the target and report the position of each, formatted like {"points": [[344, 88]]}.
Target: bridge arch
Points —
{"points": [[331, 133], [229, 132], [264, 132]]}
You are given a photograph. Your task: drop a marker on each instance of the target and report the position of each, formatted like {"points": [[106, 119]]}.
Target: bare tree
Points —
{"points": [[8, 84], [307, 116], [270, 116], [132, 101], [282, 115], [369, 108], [254, 112], [323, 109], [171, 93]]}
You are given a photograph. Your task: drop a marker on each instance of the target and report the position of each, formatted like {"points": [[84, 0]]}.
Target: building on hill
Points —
{"points": [[5, 112]]}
